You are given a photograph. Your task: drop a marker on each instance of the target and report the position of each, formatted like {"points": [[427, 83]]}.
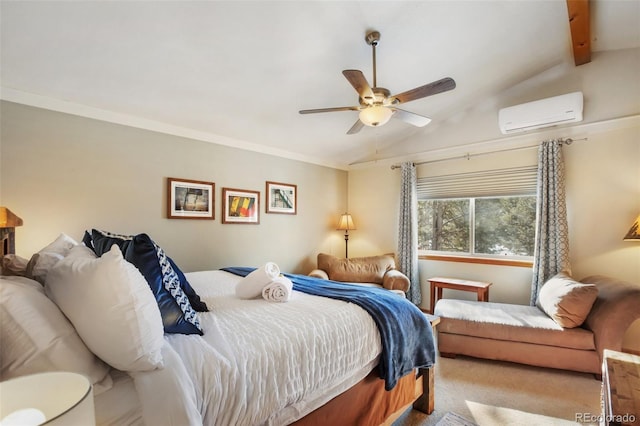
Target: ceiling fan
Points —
{"points": [[377, 105]]}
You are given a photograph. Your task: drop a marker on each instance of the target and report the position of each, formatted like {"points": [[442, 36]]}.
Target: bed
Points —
{"points": [[313, 360]]}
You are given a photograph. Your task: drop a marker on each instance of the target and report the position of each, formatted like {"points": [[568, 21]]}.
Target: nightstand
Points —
{"points": [[620, 388]]}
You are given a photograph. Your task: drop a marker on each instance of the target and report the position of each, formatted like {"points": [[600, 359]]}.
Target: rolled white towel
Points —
{"points": [[251, 286], [278, 290]]}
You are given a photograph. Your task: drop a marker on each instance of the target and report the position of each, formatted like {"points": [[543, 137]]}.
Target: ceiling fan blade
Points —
{"points": [[359, 82], [357, 126], [314, 111], [411, 118], [434, 88]]}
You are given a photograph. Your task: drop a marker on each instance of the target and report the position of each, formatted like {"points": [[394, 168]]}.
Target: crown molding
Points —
{"points": [[44, 102]]}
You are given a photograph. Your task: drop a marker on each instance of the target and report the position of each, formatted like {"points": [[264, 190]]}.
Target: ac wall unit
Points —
{"points": [[543, 113]]}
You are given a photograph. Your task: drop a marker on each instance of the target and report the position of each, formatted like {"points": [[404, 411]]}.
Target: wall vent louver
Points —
{"points": [[543, 113]]}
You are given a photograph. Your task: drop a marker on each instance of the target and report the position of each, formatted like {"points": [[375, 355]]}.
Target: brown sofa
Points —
{"points": [[377, 271], [527, 335]]}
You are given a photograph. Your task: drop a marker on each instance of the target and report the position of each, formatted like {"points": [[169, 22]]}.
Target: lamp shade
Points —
{"points": [[54, 398], [634, 231], [375, 115], [346, 223]]}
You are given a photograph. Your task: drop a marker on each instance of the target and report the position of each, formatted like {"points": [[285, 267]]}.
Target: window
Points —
{"points": [[495, 226], [486, 213], [443, 225]]}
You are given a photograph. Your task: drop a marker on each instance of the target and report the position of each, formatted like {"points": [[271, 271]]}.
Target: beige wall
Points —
{"points": [[373, 200], [63, 173], [603, 199]]}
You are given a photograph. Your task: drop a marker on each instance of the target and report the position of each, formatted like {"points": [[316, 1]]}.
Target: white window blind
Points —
{"points": [[487, 183]]}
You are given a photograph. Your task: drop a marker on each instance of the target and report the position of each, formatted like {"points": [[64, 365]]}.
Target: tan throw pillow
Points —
{"points": [[566, 301]]}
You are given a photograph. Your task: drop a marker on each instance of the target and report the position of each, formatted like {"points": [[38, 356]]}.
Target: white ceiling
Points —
{"points": [[237, 72]]}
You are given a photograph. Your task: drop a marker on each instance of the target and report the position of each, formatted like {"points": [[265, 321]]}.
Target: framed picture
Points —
{"points": [[282, 198], [240, 206], [190, 199]]}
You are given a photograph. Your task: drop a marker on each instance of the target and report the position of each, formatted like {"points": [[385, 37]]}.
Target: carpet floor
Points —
{"points": [[490, 393]]}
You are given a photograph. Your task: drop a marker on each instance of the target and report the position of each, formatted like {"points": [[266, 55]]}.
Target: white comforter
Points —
{"points": [[270, 363]]}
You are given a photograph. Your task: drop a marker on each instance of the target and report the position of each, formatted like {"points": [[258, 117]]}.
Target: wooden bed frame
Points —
{"points": [[7, 237], [8, 223], [366, 402]]}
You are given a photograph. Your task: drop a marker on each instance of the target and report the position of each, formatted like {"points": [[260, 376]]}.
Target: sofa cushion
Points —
{"points": [[503, 321], [358, 270], [566, 301]]}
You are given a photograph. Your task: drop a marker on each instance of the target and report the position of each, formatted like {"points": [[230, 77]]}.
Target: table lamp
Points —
{"points": [[55, 398], [634, 231]]}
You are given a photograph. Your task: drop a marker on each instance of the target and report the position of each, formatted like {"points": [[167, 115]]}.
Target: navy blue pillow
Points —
{"points": [[178, 316], [87, 240], [196, 303]]}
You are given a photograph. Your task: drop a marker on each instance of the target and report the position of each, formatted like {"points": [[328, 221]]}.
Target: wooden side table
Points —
{"points": [[620, 388], [439, 283], [426, 402]]}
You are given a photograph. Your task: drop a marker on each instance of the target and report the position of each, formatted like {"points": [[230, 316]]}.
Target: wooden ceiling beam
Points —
{"points": [[580, 24]]}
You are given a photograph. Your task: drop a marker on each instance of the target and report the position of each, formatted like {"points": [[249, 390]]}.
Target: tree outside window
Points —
{"points": [[500, 226]]}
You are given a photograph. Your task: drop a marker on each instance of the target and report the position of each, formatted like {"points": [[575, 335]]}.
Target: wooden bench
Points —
{"points": [[439, 283]]}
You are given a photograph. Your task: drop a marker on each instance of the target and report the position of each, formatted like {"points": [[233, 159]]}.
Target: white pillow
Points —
{"points": [[36, 337], [111, 305], [47, 257]]}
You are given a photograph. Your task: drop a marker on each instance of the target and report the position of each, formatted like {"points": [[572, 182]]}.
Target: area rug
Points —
{"points": [[453, 419]]}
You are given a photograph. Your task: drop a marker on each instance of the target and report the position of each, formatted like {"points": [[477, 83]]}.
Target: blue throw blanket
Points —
{"points": [[407, 336]]}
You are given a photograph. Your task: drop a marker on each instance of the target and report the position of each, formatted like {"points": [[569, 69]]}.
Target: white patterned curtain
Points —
{"points": [[551, 254], [408, 231]]}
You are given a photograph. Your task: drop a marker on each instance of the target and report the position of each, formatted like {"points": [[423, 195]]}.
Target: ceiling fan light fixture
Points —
{"points": [[376, 104], [375, 115]]}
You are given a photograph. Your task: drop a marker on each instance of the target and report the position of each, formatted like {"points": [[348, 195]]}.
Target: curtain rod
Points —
{"points": [[567, 141]]}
